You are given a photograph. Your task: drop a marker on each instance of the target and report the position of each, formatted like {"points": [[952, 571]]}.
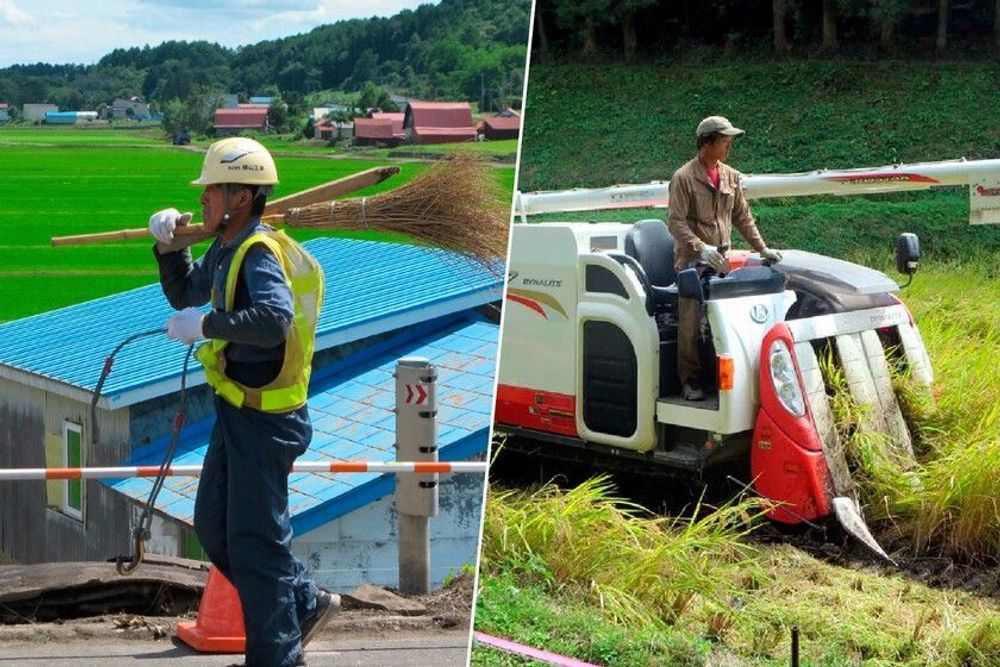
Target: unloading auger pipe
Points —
{"points": [[867, 180], [336, 467]]}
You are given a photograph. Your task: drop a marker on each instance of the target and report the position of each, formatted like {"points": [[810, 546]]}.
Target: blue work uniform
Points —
{"points": [[241, 512]]}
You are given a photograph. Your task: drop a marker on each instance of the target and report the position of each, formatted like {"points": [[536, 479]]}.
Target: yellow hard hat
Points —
{"points": [[237, 160]]}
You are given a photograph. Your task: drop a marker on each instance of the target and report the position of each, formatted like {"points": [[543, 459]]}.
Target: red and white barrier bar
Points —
{"points": [[122, 472]]}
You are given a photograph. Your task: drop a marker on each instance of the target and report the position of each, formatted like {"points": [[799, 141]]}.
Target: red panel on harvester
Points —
{"points": [[786, 457], [788, 473], [539, 410]]}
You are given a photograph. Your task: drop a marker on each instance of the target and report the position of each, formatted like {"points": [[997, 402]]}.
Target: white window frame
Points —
{"points": [[67, 509]]}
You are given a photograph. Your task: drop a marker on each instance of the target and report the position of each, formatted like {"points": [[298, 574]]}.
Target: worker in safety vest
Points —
{"points": [[265, 292], [706, 202]]}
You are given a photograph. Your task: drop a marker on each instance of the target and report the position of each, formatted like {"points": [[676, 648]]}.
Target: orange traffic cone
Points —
{"points": [[219, 626]]}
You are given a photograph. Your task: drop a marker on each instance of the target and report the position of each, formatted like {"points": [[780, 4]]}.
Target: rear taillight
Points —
{"points": [[784, 379]]}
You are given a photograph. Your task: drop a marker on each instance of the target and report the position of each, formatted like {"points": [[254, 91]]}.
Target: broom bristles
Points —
{"points": [[456, 205]]}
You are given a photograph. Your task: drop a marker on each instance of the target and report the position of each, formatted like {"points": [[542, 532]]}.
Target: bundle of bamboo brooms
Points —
{"points": [[456, 205]]}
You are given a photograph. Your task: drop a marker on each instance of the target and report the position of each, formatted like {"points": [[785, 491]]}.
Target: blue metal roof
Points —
{"points": [[351, 409], [371, 288]]}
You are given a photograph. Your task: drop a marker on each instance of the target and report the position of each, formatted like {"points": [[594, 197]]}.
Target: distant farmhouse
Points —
{"points": [[379, 129], [35, 113], [505, 125], [234, 121], [330, 130], [438, 122], [132, 108], [345, 526]]}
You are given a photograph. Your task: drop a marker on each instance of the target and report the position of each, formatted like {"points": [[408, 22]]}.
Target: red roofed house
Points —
{"points": [[501, 127], [396, 118], [374, 132], [379, 129], [439, 122], [324, 129], [234, 121]]}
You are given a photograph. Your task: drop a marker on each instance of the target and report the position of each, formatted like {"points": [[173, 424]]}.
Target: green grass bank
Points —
{"points": [[601, 124]]}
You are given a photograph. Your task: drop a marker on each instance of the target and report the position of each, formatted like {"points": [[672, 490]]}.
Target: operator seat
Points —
{"points": [[652, 245]]}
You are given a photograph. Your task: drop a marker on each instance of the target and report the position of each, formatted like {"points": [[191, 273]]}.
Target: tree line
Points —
{"points": [[876, 28], [459, 49]]}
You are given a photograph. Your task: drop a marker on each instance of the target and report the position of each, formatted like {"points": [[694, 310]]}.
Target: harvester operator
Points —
{"points": [[265, 292], [706, 202]]}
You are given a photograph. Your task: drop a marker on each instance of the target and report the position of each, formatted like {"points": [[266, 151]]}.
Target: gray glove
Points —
{"points": [[711, 256], [770, 255]]}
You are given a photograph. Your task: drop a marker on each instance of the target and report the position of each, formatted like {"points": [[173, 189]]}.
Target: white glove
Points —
{"points": [[163, 223], [769, 255], [711, 256], [185, 326]]}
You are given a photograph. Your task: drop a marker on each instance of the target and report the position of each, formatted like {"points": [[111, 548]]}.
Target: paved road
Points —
{"points": [[441, 649]]}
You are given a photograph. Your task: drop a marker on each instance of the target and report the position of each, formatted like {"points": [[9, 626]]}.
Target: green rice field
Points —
{"points": [[82, 135], [62, 186]]}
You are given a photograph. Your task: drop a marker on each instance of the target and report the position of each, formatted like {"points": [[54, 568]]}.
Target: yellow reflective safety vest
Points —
{"points": [[290, 389]]}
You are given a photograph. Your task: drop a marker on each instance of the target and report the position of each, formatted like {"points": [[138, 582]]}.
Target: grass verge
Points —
{"points": [[549, 558]]}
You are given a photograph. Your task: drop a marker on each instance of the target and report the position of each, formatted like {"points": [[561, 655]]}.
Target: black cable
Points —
{"points": [[126, 565], [108, 363], [142, 531]]}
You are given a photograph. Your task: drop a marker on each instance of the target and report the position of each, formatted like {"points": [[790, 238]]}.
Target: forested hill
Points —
{"points": [[458, 49]]}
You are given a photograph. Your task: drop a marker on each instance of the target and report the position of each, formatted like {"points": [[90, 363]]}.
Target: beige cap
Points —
{"points": [[720, 125]]}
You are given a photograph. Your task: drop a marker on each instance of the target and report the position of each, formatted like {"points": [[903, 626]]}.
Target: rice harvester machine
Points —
{"points": [[589, 349]]}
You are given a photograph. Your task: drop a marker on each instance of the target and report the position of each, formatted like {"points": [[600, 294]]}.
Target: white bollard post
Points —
{"points": [[416, 495]]}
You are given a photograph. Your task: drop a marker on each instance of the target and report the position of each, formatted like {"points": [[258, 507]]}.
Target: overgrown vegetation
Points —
{"points": [[637, 568], [585, 574]]}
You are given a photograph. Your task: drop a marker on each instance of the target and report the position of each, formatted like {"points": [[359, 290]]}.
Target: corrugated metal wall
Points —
{"points": [[30, 532]]}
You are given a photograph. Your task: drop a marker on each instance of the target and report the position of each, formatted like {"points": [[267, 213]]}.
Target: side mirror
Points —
{"points": [[689, 285], [907, 253]]}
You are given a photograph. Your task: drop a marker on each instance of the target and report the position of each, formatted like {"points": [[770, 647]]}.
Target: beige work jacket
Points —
{"points": [[700, 214]]}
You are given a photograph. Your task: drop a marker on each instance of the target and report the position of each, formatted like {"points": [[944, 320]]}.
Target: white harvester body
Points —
{"points": [[588, 356]]}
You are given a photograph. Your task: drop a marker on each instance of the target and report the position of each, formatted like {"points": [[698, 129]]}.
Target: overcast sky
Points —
{"points": [[75, 31]]}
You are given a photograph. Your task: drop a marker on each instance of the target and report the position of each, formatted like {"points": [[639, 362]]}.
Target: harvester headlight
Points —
{"points": [[784, 379]]}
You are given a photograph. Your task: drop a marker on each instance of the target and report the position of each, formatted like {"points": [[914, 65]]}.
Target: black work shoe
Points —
{"points": [[327, 604], [693, 392]]}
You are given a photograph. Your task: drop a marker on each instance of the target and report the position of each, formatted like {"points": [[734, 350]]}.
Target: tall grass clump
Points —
{"points": [[949, 503], [957, 508], [636, 567]]}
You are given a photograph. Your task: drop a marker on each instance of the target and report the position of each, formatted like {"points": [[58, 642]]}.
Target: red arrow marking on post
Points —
{"points": [[421, 394], [409, 393]]}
